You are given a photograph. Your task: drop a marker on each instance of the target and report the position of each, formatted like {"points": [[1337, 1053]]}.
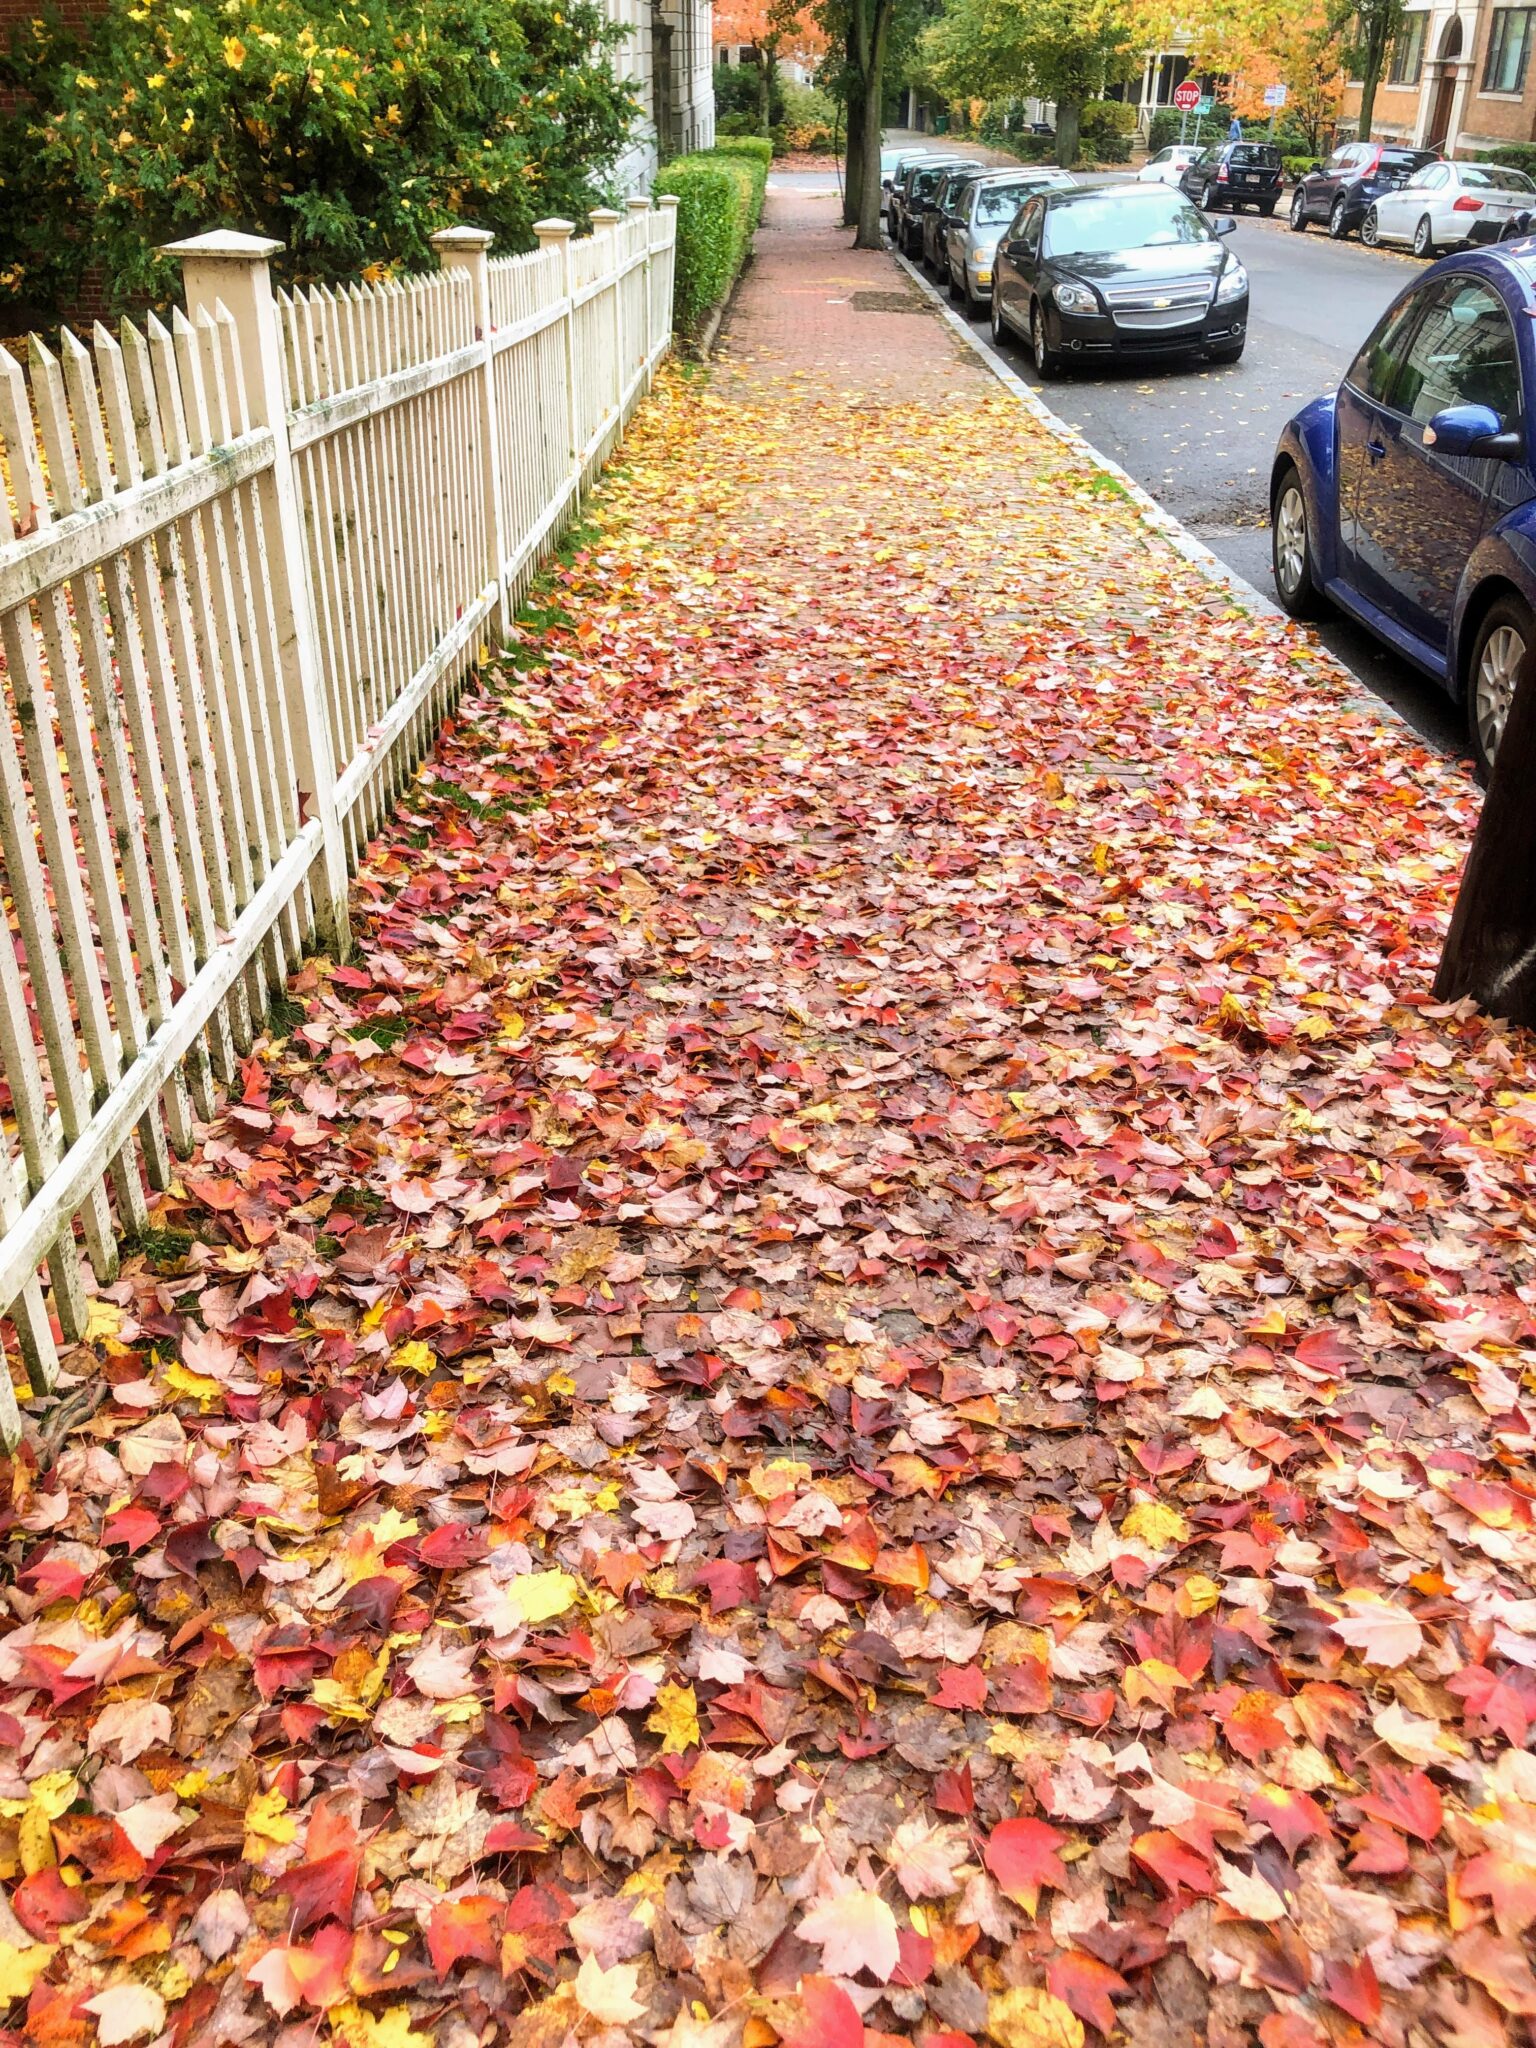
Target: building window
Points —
{"points": [[1408, 51], [1509, 49]]}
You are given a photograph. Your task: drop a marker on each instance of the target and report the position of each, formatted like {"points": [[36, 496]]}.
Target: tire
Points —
{"points": [[995, 319], [1298, 212], [1047, 359], [1424, 239], [1338, 226], [1370, 230], [956, 291], [1208, 199], [1291, 547], [1267, 209], [1230, 352], [1508, 629]]}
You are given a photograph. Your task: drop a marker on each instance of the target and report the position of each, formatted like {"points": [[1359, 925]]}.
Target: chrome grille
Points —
{"points": [[1161, 302]]}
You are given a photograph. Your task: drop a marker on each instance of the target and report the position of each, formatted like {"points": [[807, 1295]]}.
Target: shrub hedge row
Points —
{"points": [[719, 195]]}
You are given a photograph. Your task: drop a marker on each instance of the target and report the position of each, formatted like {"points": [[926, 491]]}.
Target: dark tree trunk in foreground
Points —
{"points": [[1068, 132], [853, 159], [870, 26], [1490, 950]]}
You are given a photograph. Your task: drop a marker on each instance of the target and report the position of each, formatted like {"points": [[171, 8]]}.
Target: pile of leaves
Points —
{"points": [[865, 1378]]}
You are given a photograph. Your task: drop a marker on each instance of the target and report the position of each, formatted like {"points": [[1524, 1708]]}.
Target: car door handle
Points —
{"points": [[1375, 450]]}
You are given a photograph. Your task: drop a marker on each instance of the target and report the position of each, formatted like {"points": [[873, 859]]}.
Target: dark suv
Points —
{"points": [[1342, 190], [1234, 175]]}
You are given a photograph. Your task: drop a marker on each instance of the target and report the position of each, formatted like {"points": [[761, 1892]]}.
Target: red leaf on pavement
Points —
{"points": [[831, 2019], [1173, 1863], [1087, 1985], [1351, 1985], [1404, 1799], [465, 1929], [1021, 1855], [962, 1686], [1291, 1817]]}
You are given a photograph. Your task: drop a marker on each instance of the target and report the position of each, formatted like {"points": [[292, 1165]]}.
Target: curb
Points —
{"points": [[1157, 517]]}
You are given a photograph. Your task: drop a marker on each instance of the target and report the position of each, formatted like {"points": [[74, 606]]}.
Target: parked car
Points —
{"points": [[977, 223], [914, 196], [1343, 190], [892, 163], [948, 194], [1169, 165], [1235, 174], [1408, 497], [1446, 205], [903, 176], [1118, 270]]}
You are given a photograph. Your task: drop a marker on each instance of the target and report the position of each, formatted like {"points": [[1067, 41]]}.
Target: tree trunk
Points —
{"points": [[764, 92], [1370, 75], [853, 159], [1490, 950], [879, 20], [1067, 113]]}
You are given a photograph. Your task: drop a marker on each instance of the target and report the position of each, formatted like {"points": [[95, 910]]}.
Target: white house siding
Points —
{"points": [[667, 52]]}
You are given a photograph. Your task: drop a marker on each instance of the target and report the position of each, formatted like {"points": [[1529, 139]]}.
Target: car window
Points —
{"points": [[1339, 161], [1374, 372], [1437, 178], [1463, 353], [1027, 227], [1164, 156], [1494, 178], [1146, 217], [998, 202], [1261, 154]]}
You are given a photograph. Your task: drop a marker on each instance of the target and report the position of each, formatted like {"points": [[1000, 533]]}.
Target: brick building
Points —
{"points": [[1460, 79]]}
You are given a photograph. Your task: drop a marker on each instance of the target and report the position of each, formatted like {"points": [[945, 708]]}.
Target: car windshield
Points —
{"points": [[925, 181], [1098, 223], [1002, 202], [1399, 163], [1256, 156], [1494, 178]]}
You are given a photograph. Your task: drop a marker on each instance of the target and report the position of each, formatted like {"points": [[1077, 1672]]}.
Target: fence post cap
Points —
{"points": [[668, 202], [462, 236], [227, 243], [638, 203], [554, 229], [604, 216]]}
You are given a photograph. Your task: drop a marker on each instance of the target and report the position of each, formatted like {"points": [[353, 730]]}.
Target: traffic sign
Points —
{"points": [[1274, 95], [1204, 106], [1186, 97]]}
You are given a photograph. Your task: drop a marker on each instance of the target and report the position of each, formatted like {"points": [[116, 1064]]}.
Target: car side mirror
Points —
{"points": [[1225, 226], [1313, 167], [1472, 430]]}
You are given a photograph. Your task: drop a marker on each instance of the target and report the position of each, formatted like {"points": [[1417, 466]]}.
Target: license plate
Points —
{"points": [[1250, 177]]}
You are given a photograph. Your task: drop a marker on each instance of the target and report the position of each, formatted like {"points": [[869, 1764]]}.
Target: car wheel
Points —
{"points": [[1208, 198], [1370, 229], [1497, 658], [1047, 359], [1290, 547], [956, 285], [1424, 238], [1267, 209], [998, 324], [1338, 226], [1298, 213]]}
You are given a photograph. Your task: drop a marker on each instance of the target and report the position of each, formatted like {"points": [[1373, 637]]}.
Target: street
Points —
{"points": [[1200, 439]]}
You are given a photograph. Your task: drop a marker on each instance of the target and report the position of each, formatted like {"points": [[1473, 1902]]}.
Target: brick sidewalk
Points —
{"points": [[812, 304]]}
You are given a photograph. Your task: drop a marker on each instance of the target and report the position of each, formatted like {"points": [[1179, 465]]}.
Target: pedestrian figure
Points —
{"points": [[1235, 132]]}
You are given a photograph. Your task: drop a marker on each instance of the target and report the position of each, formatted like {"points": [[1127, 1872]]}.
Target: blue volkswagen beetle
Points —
{"points": [[1408, 499]]}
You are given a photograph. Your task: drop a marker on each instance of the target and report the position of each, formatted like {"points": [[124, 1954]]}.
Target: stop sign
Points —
{"points": [[1186, 97]]}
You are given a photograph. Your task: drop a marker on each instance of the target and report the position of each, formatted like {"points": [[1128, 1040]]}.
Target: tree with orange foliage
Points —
{"points": [[775, 29], [1301, 44]]}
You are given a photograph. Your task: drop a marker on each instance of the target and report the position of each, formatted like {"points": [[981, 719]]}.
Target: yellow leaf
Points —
{"points": [[352, 2027], [268, 1816], [1155, 1524], [414, 1357], [54, 1793], [1198, 1594], [539, 1596], [675, 1718], [21, 1967], [1026, 2018], [234, 52], [195, 1386], [34, 1842], [104, 1319]]}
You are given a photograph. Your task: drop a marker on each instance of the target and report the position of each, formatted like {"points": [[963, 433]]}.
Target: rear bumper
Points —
{"points": [[1485, 231], [1267, 194]]}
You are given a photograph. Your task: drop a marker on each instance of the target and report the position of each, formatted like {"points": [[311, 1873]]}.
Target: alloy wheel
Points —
{"points": [[1336, 226], [1298, 210], [1423, 238], [1498, 670], [1041, 347], [1291, 539], [1370, 229]]}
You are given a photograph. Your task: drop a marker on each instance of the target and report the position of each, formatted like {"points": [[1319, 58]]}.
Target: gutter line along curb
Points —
{"points": [[1157, 517]]}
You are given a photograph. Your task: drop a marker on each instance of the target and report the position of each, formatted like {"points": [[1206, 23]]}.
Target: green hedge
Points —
{"points": [[719, 196], [1519, 156]]}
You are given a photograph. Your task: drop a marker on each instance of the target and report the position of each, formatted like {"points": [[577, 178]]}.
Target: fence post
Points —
{"points": [[467, 249], [639, 204], [668, 203], [556, 234], [605, 221], [226, 268]]}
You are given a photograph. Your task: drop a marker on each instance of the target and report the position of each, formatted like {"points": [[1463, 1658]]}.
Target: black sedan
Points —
{"points": [[1118, 270]]}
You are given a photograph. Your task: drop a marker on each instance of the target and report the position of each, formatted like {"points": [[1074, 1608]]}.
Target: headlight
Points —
{"points": [[981, 252], [1234, 282], [1076, 298]]}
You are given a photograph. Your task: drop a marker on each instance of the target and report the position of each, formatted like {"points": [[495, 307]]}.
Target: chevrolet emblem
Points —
{"points": [[1161, 305]]}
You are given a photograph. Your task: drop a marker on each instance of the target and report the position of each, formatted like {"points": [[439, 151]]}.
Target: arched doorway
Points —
{"points": [[1438, 134]]}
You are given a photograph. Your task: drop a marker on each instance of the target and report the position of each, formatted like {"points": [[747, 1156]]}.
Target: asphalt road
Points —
{"points": [[1201, 439]]}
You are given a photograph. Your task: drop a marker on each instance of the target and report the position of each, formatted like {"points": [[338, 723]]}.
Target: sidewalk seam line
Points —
{"points": [[1153, 515]]}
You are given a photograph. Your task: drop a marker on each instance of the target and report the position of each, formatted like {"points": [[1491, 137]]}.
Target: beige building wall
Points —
{"points": [[1470, 84]]}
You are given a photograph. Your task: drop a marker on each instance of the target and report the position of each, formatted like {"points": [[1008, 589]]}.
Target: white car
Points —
{"points": [[1447, 204], [1168, 166]]}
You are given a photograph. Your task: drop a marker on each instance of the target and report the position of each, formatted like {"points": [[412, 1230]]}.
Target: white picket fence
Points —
{"points": [[246, 561]]}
